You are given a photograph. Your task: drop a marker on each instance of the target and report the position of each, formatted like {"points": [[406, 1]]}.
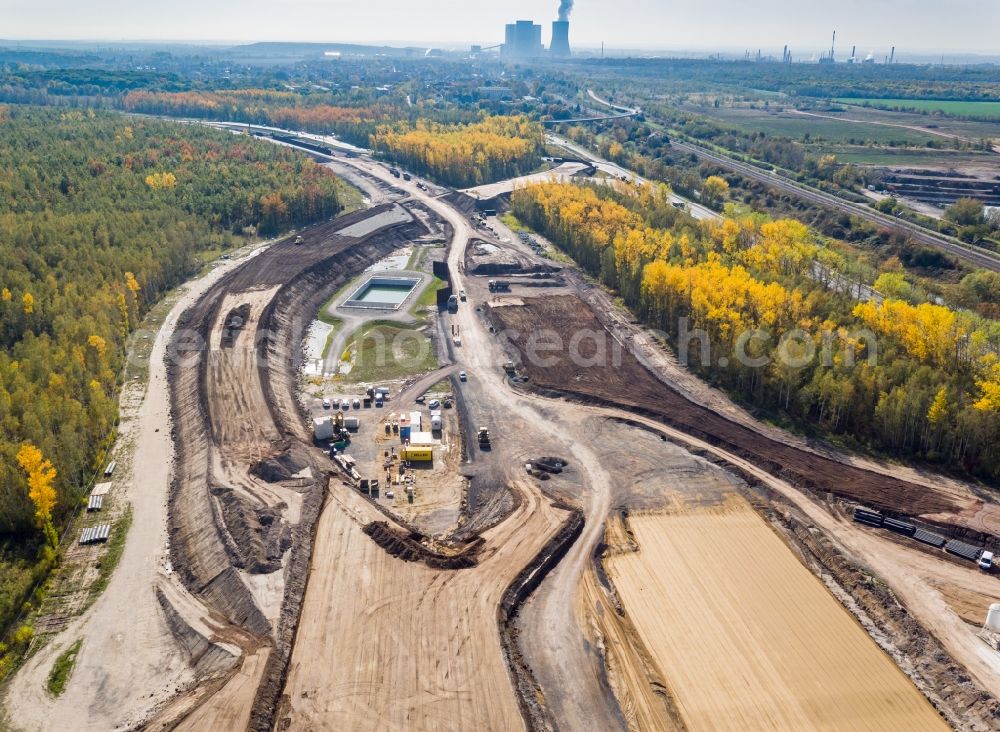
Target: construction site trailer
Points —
{"points": [[421, 438], [417, 454]]}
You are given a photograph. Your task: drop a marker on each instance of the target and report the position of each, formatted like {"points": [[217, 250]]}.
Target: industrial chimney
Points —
{"points": [[560, 38]]}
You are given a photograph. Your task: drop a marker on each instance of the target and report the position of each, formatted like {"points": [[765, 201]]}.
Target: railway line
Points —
{"points": [[975, 257], [971, 255]]}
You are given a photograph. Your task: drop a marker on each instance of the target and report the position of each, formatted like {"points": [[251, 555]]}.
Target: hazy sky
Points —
{"points": [[915, 25]]}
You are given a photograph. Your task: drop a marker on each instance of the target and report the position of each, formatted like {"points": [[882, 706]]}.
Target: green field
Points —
{"points": [[979, 110], [861, 155], [796, 127]]}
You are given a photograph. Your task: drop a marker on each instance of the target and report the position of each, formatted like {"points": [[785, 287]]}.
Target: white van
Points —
{"points": [[986, 561]]}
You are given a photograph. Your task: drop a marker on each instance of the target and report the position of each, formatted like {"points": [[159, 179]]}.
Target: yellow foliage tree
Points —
{"points": [[161, 181], [939, 407], [5, 295], [28, 303], [41, 476], [714, 189]]}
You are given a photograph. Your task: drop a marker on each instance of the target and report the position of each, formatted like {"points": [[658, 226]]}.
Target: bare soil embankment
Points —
{"points": [[234, 407], [621, 380]]}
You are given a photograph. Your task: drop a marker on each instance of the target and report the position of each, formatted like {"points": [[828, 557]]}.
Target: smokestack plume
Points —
{"points": [[565, 8]]}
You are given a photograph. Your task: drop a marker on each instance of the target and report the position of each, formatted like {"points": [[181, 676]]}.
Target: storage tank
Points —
{"points": [[993, 618]]}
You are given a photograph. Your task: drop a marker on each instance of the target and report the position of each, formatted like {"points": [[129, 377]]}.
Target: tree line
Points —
{"points": [[464, 155], [786, 334]]}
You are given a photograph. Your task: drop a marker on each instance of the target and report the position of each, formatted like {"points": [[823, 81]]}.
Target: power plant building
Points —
{"points": [[523, 39]]}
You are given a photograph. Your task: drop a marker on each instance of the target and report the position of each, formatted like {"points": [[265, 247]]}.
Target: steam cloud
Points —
{"points": [[565, 8]]}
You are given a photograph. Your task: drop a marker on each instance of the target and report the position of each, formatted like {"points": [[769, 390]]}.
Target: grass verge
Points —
{"points": [[384, 352], [62, 669]]}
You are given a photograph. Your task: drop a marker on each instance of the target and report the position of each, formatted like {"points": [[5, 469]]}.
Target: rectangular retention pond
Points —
{"points": [[382, 293]]}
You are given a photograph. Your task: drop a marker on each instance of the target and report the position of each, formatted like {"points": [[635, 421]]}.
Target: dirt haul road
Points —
{"points": [[130, 662], [915, 578], [747, 637], [521, 431]]}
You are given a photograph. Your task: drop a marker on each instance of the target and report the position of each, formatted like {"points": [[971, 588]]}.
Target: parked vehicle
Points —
{"points": [[453, 304], [986, 561], [345, 405], [326, 403], [434, 403], [462, 296], [356, 404], [462, 376]]}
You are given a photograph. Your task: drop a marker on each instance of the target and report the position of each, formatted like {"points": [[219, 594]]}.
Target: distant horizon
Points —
{"points": [[913, 26], [920, 55]]}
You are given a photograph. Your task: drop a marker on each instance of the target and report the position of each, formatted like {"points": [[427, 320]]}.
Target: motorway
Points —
{"points": [[695, 209]]}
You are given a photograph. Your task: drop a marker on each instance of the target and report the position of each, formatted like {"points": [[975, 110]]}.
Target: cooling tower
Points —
{"points": [[560, 38]]}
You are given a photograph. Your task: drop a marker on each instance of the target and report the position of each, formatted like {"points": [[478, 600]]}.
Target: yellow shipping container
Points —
{"points": [[417, 454]]}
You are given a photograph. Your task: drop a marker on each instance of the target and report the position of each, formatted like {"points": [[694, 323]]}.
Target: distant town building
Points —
{"points": [[495, 92]]}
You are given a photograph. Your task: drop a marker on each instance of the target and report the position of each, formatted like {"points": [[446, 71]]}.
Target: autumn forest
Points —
{"points": [[100, 215]]}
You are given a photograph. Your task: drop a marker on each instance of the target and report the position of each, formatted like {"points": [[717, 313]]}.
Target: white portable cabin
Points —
{"points": [[323, 428]]}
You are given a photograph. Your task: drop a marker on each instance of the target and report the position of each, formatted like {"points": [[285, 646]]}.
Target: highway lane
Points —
{"points": [[695, 209]]}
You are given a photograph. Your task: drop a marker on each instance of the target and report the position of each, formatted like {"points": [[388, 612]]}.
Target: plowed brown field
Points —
{"points": [[747, 638]]}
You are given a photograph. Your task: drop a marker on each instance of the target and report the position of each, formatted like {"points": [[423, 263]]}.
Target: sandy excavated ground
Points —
{"points": [[747, 638], [387, 644]]}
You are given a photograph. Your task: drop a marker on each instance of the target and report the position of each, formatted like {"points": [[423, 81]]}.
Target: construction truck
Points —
{"points": [[484, 438]]}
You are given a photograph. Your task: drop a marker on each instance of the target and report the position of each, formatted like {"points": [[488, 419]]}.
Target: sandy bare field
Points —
{"points": [[388, 644], [747, 638]]}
